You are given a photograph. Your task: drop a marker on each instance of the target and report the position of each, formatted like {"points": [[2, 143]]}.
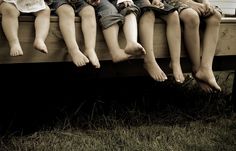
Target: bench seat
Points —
{"points": [[58, 51]]}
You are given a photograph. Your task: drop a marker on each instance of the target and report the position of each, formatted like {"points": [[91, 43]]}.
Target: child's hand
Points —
{"points": [[93, 2], [125, 3], [128, 3], [158, 3], [209, 10], [198, 7]]}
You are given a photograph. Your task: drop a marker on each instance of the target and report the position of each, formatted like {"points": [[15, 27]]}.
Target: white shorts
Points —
{"points": [[28, 6]]}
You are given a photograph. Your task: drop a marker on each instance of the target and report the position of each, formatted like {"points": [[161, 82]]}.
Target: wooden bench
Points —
{"points": [[225, 58]]}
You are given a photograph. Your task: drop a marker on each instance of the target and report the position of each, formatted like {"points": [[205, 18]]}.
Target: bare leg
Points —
{"points": [[42, 23], [67, 27], [210, 38], [191, 22], [146, 29], [174, 41], [192, 42], [131, 35], [89, 29], [111, 37], [10, 27]]}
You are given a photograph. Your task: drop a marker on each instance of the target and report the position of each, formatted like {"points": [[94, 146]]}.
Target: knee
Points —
{"points": [[148, 16], [191, 19], [9, 10], [173, 18], [214, 20], [66, 11], [87, 12], [46, 12]]}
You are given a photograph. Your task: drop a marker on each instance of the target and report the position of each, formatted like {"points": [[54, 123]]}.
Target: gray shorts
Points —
{"points": [[126, 10], [107, 14], [77, 5], [181, 6], [145, 5]]}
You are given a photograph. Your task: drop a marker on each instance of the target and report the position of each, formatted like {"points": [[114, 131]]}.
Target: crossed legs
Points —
{"points": [[201, 66]]}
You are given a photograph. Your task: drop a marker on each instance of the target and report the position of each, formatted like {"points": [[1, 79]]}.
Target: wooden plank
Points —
{"points": [[58, 52], [226, 44]]}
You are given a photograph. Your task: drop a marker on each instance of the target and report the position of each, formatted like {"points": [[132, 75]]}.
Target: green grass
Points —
{"points": [[196, 135], [146, 119]]}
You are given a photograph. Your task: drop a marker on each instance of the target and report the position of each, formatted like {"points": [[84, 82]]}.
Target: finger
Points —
{"points": [[129, 4], [161, 5], [202, 10], [199, 12], [96, 2], [125, 3], [154, 3], [207, 14], [206, 8], [212, 10]]}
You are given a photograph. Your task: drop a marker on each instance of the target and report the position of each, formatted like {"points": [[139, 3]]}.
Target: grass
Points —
{"points": [[194, 135], [161, 117]]}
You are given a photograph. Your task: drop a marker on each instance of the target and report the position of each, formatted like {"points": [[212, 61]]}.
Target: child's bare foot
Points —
{"points": [[40, 45], [92, 56], [207, 75], [177, 72], [155, 71], [120, 55], [16, 50], [205, 87], [135, 49], [78, 58]]}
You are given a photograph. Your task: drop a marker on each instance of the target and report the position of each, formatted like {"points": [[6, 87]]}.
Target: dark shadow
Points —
{"points": [[38, 96]]}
